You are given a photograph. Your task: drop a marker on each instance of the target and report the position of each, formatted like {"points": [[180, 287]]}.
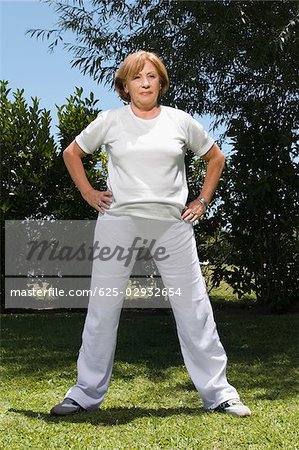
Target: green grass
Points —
{"points": [[151, 403]]}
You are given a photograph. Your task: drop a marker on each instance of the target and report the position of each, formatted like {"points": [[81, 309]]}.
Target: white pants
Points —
{"points": [[203, 354]]}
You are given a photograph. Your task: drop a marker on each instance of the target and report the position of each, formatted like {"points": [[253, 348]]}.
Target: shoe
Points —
{"points": [[234, 407], [66, 407]]}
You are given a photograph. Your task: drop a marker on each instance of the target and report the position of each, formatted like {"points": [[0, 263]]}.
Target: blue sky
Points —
{"points": [[27, 63]]}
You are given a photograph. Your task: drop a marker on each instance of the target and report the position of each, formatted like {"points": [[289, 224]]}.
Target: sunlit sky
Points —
{"points": [[27, 63]]}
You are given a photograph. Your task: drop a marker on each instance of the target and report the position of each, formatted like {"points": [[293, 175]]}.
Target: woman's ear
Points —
{"points": [[125, 88]]}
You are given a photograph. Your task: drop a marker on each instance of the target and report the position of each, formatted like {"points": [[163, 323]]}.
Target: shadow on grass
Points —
{"points": [[111, 416], [261, 349]]}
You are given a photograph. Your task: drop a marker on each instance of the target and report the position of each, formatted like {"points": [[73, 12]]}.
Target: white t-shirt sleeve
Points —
{"points": [[198, 140], [93, 136]]}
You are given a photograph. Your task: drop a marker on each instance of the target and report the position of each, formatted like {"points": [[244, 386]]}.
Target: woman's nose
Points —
{"points": [[144, 82]]}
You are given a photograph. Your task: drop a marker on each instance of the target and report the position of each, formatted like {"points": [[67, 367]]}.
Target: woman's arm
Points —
{"points": [[216, 160], [72, 157]]}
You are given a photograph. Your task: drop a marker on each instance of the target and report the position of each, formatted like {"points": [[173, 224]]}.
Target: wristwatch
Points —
{"points": [[203, 202]]}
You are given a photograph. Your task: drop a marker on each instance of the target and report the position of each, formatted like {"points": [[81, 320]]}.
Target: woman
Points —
{"points": [[146, 202]]}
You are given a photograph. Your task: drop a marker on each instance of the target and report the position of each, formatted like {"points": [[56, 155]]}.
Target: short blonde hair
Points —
{"points": [[132, 65]]}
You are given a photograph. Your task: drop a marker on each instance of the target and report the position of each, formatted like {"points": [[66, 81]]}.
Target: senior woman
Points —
{"points": [[146, 202]]}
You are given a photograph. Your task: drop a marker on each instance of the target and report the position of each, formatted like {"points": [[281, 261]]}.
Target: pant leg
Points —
{"points": [[99, 336], [202, 351]]}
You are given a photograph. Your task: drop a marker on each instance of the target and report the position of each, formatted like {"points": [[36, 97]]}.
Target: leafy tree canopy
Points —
{"points": [[220, 54]]}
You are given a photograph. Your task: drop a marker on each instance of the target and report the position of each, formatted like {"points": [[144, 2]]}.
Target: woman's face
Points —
{"points": [[144, 88]]}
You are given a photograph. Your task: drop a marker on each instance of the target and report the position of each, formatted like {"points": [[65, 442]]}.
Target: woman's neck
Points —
{"points": [[144, 113]]}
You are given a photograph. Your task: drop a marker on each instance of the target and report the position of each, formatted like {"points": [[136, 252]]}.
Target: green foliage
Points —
{"points": [[260, 210], [216, 52], [34, 181], [65, 199], [27, 152]]}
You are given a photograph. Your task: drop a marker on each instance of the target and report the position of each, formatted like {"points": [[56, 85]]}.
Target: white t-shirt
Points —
{"points": [[146, 170]]}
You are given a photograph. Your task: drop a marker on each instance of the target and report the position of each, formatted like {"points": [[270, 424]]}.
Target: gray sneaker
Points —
{"points": [[234, 407], [66, 407]]}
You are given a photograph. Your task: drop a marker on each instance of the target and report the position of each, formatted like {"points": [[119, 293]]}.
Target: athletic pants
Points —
{"points": [[174, 250]]}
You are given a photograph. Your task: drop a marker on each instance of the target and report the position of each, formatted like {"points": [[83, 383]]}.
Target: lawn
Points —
{"points": [[151, 403]]}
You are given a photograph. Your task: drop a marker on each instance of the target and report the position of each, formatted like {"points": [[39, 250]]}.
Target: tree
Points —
{"points": [[237, 61], [214, 50], [73, 117], [260, 210], [34, 181], [27, 150]]}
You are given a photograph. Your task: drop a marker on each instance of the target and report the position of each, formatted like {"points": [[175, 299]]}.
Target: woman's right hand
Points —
{"points": [[99, 200]]}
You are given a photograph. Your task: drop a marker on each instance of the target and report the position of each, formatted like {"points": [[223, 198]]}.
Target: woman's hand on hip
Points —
{"points": [[193, 211], [99, 200]]}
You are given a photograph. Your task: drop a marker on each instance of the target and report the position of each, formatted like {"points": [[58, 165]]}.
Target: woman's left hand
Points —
{"points": [[193, 211]]}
